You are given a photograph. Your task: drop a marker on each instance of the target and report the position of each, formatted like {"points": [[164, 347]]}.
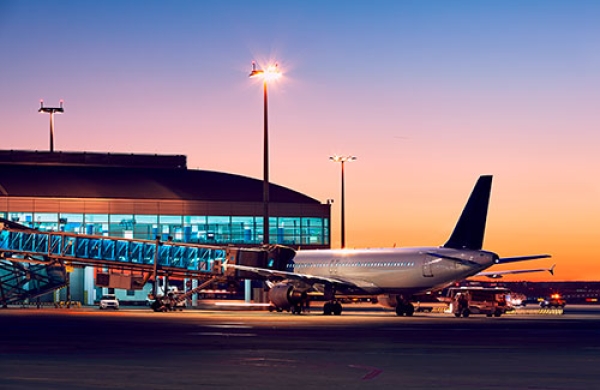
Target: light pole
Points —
{"points": [[51, 111], [269, 74], [342, 160]]}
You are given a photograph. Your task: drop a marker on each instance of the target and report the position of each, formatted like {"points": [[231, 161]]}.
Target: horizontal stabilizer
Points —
{"points": [[500, 274], [504, 260]]}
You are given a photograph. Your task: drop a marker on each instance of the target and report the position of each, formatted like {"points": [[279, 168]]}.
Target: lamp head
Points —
{"points": [[337, 158], [271, 73], [255, 71]]}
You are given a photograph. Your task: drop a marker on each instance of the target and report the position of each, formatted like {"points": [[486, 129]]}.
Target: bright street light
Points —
{"points": [[270, 73], [342, 160]]}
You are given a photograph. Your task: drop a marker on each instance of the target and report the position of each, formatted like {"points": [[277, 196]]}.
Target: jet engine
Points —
{"points": [[285, 295]]}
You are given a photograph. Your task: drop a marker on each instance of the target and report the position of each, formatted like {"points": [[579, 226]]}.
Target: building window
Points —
{"points": [[96, 224], [219, 229], [194, 228], [171, 226], [243, 230], [145, 227], [46, 222], [121, 225], [288, 231], [71, 223], [25, 219]]}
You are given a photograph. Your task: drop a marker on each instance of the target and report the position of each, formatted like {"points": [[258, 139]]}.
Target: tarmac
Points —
{"points": [[365, 347]]}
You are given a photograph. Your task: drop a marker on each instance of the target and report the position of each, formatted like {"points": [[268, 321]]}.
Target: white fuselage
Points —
{"points": [[393, 270]]}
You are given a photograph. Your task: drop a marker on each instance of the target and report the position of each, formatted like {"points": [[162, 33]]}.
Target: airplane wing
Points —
{"points": [[310, 279], [499, 274]]}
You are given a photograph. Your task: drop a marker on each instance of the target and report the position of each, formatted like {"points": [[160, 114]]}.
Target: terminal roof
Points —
{"points": [[52, 179]]}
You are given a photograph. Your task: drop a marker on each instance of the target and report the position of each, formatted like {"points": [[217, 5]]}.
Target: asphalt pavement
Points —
{"points": [[210, 349]]}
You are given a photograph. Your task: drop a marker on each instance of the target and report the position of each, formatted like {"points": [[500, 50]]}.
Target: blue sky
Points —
{"points": [[428, 95]]}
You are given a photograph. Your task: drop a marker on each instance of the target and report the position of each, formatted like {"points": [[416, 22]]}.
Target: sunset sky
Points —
{"points": [[427, 94]]}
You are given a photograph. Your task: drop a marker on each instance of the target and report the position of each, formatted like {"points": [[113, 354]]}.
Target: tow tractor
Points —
{"points": [[464, 301], [170, 302], [175, 299], [554, 300]]}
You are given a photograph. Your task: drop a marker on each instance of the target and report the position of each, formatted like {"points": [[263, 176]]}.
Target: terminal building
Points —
{"points": [[145, 196]]}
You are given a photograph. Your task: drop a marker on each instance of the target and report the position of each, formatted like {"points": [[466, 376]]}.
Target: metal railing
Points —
{"points": [[78, 249]]}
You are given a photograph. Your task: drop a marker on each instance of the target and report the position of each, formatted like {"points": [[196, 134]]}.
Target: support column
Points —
{"points": [[247, 290], [194, 296], [89, 291]]}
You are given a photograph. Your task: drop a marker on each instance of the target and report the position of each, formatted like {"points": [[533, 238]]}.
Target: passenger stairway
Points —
{"points": [[21, 281]]}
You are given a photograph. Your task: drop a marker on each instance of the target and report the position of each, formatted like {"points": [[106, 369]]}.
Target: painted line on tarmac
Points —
{"points": [[372, 373], [228, 326], [222, 334]]}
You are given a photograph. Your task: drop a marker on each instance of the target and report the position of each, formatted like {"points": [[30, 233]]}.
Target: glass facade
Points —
{"points": [[293, 231]]}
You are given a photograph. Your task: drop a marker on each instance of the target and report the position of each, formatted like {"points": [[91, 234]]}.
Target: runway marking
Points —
{"points": [[372, 373], [229, 326], [223, 334], [269, 362]]}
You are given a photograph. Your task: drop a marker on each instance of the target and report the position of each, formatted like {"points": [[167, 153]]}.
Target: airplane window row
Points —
{"points": [[354, 264]]}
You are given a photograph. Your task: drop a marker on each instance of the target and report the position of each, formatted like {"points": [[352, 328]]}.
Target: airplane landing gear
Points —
{"points": [[296, 309], [334, 308], [405, 309]]}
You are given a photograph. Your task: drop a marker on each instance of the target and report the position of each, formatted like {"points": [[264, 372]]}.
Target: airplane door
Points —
{"points": [[333, 267], [427, 271]]}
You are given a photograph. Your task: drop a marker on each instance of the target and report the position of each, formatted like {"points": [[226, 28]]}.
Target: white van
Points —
{"points": [[109, 301]]}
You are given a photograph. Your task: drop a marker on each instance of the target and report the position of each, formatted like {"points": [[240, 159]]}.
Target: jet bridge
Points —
{"points": [[33, 263]]}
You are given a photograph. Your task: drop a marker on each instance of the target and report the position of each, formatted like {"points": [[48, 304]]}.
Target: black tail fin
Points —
{"points": [[470, 228]]}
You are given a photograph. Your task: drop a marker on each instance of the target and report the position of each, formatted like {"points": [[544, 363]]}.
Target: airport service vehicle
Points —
{"points": [[555, 300], [177, 304], [464, 301], [170, 302], [109, 301], [517, 300], [531, 301], [393, 275]]}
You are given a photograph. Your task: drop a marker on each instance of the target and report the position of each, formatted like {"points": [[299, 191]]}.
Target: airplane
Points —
{"points": [[394, 275]]}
